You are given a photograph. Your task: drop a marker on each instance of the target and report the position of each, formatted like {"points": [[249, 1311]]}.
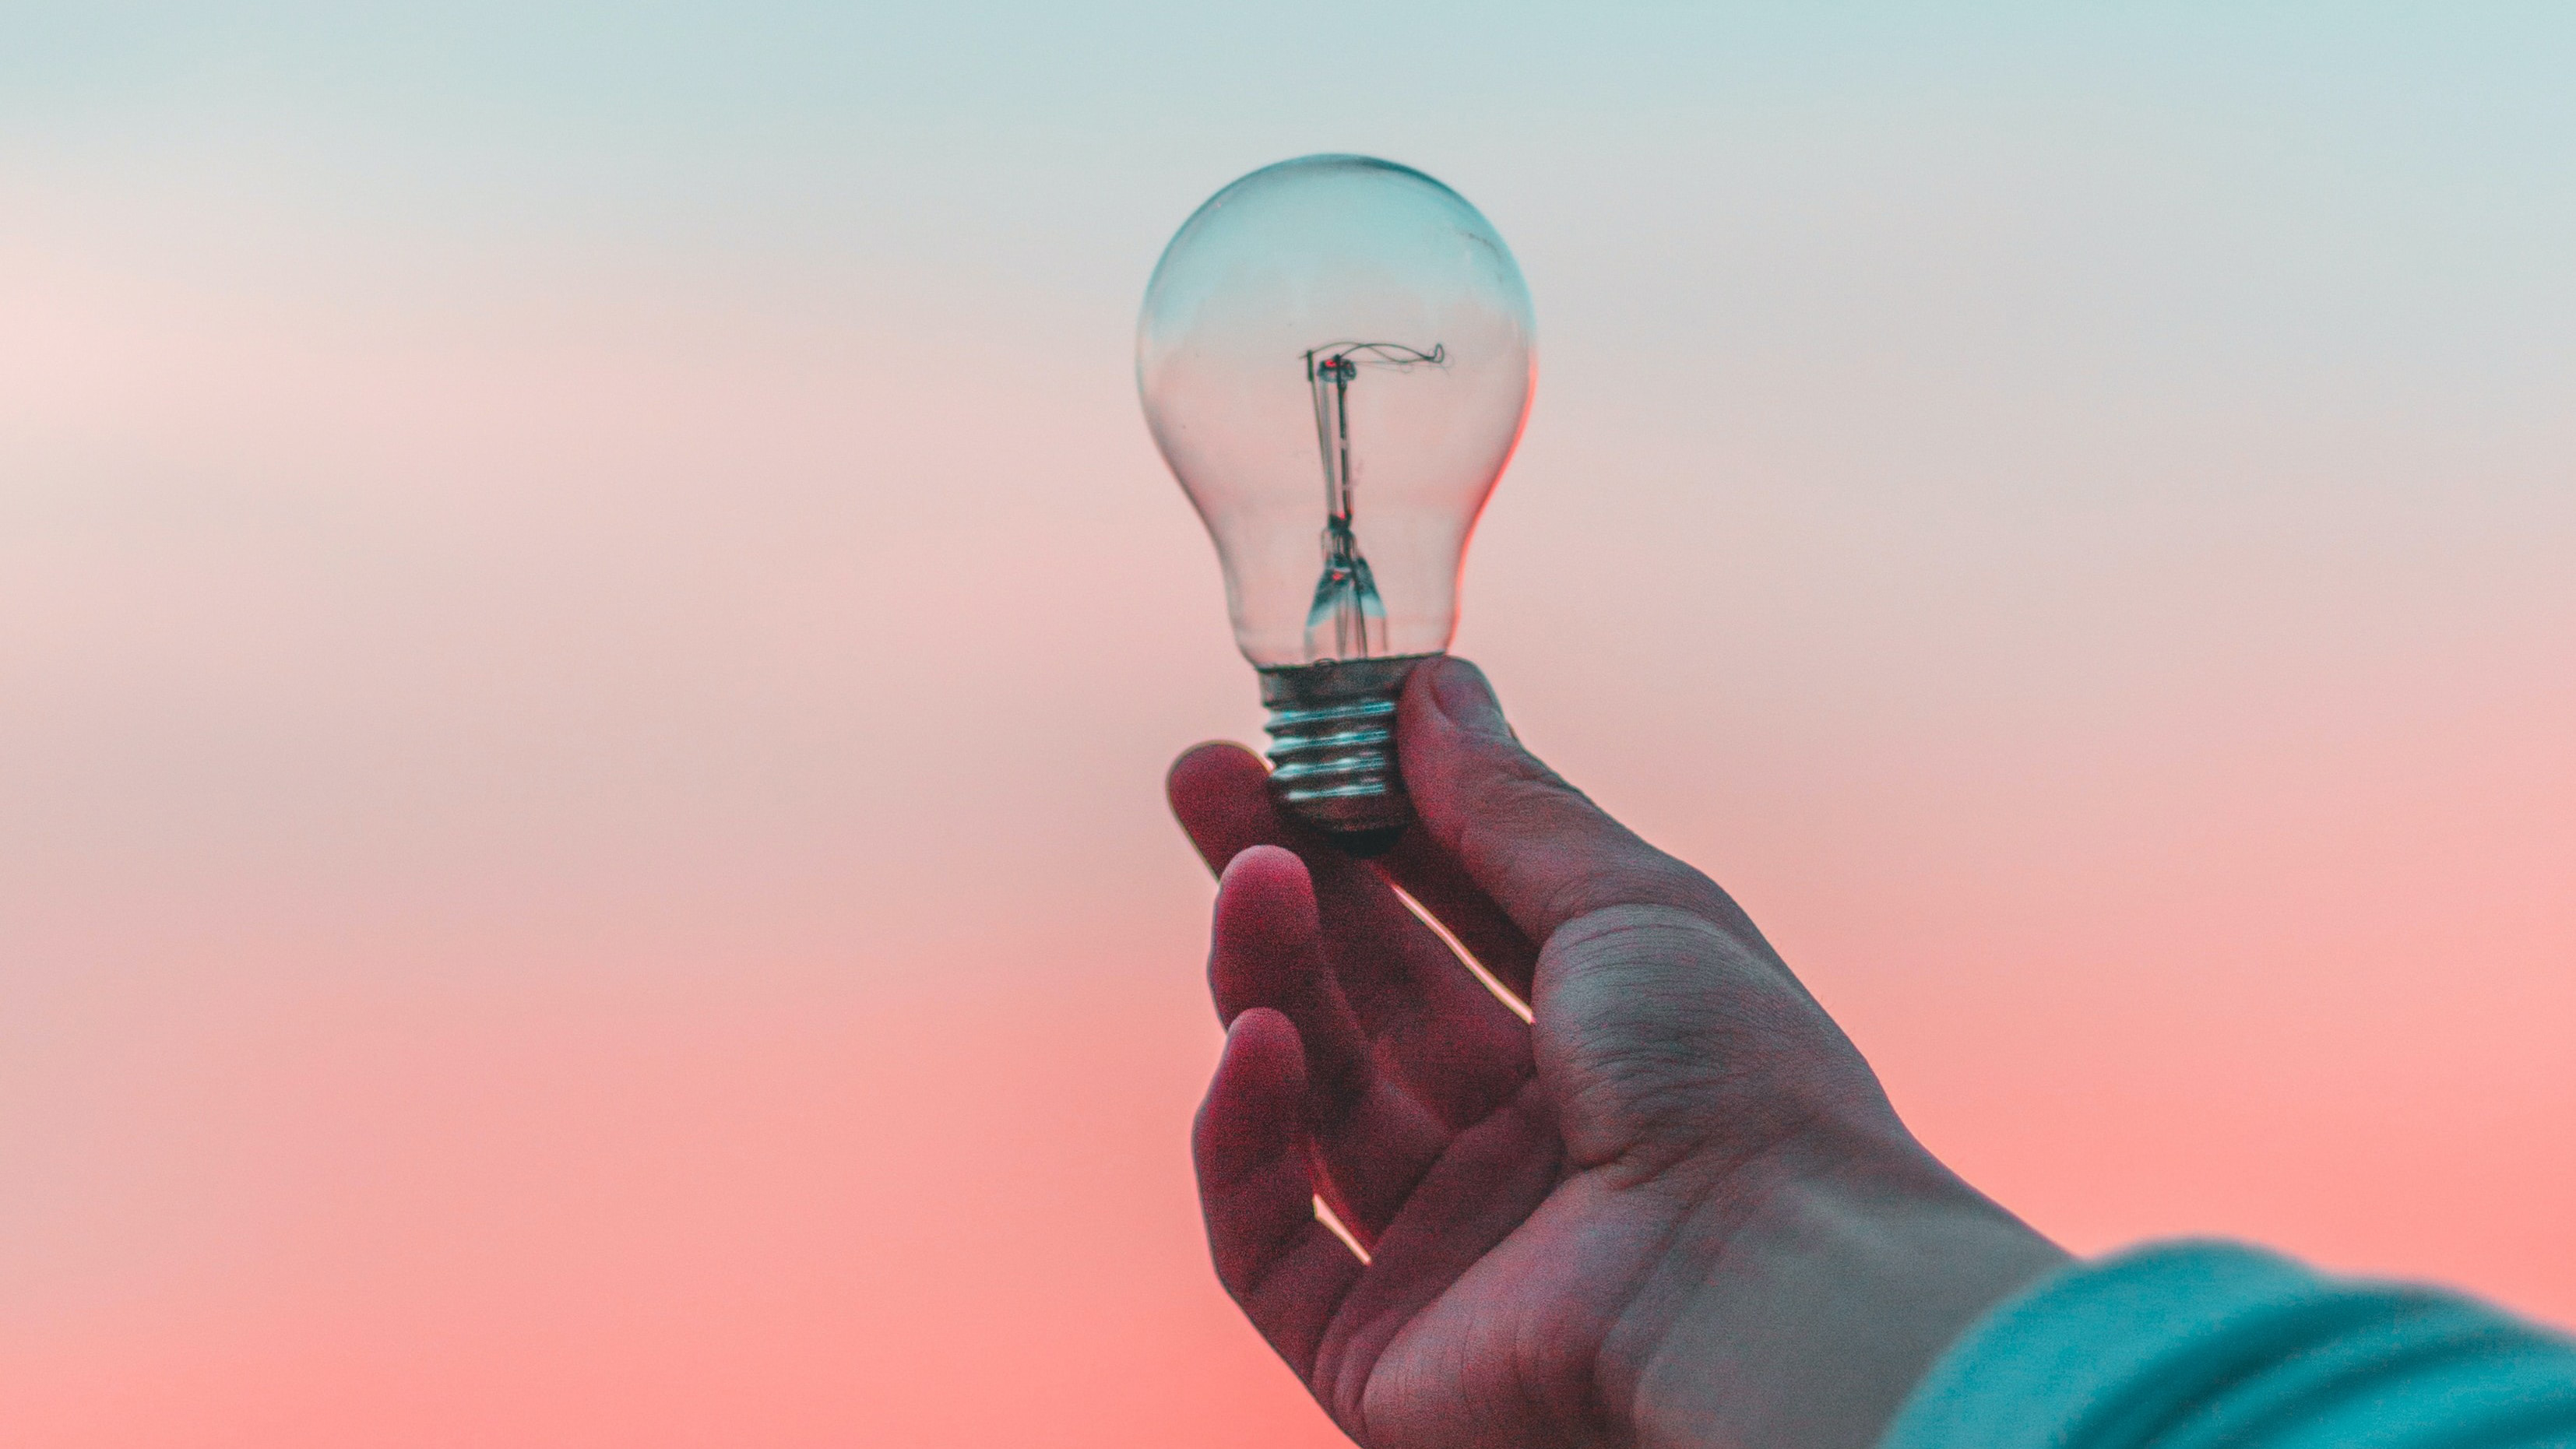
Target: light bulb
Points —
{"points": [[1336, 359]]}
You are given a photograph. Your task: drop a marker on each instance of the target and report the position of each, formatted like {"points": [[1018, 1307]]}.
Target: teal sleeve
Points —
{"points": [[2203, 1345]]}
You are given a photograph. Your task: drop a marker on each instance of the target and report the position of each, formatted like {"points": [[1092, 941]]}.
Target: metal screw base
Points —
{"points": [[1332, 746]]}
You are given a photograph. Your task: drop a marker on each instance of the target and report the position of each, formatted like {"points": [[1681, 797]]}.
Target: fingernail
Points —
{"points": [[1463, 695]]}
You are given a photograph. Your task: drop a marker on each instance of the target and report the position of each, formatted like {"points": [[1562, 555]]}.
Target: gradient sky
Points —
{"points": [[588, 631]]}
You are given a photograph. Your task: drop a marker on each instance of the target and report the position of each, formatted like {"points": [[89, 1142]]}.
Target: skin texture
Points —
{"points": [[1674, 1209]]}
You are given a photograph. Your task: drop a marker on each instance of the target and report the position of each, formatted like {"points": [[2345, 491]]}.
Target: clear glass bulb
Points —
{"points": [[1335, 357]]}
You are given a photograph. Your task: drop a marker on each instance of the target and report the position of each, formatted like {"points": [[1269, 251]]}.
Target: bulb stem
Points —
{"points": [[1332, 747]]}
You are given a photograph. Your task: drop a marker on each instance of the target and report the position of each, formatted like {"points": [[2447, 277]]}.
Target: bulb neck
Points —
{"points": [[1332, 748]]}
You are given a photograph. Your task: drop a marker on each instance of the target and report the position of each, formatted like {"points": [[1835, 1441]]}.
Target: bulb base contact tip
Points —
{"points": [[1332, 748]]}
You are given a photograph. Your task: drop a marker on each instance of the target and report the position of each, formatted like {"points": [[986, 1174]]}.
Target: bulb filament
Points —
{"points": [[1347, 611]]}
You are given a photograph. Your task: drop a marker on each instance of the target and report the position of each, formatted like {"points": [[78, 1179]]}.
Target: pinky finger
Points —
{"points": [[1287, 1271]]}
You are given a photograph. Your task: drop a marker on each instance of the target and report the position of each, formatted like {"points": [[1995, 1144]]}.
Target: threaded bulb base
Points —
{"points": [[1332, 748]]}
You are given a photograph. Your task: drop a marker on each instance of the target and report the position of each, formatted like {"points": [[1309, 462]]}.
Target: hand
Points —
{"points": [[1673, 1209]]}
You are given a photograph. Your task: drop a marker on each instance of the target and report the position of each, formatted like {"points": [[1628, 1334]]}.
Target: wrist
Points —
{"points": [[1802, 1315]]}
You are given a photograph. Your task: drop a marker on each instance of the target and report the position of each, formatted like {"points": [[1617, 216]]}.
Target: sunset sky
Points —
{"points": [[589, 631]]}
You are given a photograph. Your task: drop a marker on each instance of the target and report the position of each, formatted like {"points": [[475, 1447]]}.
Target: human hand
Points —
{"points": [[1673, 1209]]}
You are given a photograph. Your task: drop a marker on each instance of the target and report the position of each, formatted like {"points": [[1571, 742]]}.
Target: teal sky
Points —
{"points": [[1059, 139]]}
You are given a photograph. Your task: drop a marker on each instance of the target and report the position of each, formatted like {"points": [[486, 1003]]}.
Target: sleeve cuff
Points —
{"points": [[2194, 1345]]}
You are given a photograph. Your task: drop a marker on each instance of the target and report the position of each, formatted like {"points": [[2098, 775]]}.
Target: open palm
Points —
{"points": [[1548, 1207]]}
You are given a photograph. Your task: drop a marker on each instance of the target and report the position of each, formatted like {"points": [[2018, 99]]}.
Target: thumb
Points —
{"points": [[1538, 846]]}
